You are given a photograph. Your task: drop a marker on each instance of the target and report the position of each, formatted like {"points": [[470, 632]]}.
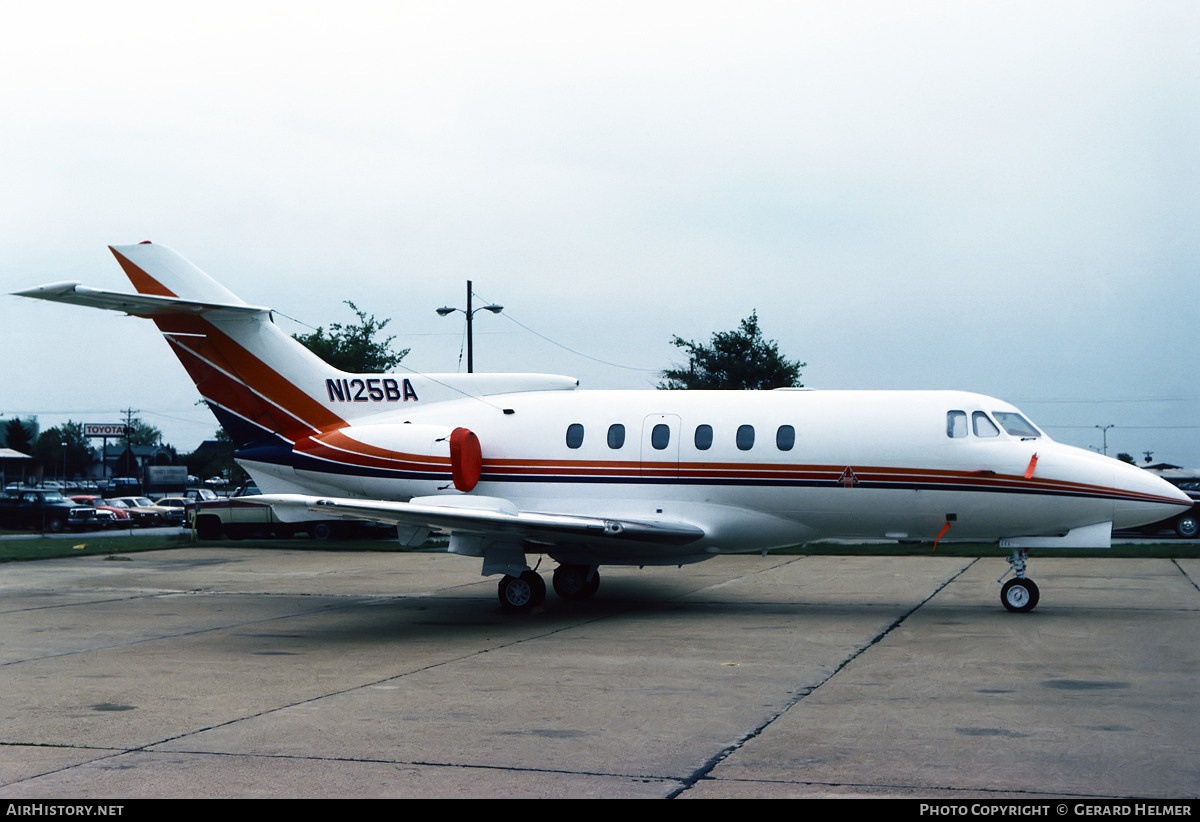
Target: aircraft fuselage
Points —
{"points": [[753, 470]]}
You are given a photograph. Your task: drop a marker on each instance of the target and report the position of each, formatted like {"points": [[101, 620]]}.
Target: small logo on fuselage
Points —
{"points": [[847, 478]]}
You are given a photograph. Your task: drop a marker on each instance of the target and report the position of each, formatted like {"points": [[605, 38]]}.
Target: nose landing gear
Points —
{"points": [[1019, 595]]}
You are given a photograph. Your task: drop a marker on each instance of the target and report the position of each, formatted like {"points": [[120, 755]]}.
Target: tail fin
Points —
{"points": [[262, 385], [157, 270]]}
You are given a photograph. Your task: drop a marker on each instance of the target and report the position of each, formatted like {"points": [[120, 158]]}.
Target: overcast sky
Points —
{"points": [[999, 196]]}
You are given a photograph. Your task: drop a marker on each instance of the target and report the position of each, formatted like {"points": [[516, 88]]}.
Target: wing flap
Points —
{"points": [[490, 516]]}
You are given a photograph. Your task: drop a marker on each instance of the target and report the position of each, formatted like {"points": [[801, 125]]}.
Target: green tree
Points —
{"points": [[740, 359], [48, 450], [17, 436], [353, 348], [142, 433]]}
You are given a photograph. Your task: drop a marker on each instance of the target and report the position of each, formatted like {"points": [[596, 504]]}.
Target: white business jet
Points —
{"points": [[516, 464]]}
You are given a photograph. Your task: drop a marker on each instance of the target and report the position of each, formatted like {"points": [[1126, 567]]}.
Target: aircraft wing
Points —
{"points": [[484, 516]]}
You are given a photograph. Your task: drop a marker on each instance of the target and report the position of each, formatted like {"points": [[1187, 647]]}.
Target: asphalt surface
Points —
{"points": [[232, 672]]}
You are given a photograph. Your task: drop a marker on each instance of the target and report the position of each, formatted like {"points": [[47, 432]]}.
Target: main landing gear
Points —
{"points": [[523, 593], [1019, 594], [528, 591]]}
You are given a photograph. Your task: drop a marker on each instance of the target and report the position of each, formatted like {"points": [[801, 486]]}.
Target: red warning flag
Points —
{"points": [[1032, 465]]}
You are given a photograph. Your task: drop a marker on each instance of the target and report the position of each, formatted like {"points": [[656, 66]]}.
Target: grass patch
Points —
{"points": [[27, 548], [21, 548]]}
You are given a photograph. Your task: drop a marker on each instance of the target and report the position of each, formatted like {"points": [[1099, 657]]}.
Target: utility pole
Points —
{"points": [[129, 412], [470, 312], [470, 337]]}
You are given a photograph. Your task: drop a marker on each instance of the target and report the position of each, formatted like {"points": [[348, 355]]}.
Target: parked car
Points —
{"points": [[180, 503], [104, 518], [141, 518], [235, 518], [146, 513], [44, 510], [108, 516]]}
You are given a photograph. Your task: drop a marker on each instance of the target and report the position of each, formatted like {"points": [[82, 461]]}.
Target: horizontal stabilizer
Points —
{"points": [[141, 305], [484, 516]]}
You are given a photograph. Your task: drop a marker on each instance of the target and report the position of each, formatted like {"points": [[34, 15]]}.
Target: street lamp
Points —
{"points": [[1104, 428], [470, 312]]}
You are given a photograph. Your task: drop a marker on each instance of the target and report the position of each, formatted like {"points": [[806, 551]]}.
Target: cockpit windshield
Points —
{"points": [[1016, 425], [982, 425]]}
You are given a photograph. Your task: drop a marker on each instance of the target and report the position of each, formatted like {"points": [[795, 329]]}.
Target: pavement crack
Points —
{"points": [[704, 770], [1186, 575]]}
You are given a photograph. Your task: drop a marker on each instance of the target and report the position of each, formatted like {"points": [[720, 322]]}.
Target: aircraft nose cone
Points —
{"points": [[1147, 498]]}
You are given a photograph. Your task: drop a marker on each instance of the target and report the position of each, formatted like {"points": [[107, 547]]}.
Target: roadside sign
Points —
{"points": [[104, 429]]}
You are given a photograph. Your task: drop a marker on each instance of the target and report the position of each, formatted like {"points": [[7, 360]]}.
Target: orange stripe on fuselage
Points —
{"points": [[337, 447], [339, 439]]}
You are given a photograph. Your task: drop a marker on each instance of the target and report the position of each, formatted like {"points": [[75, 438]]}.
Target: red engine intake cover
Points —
{"points": [[466, 460]]}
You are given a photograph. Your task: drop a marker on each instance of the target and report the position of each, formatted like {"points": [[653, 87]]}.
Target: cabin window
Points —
{"points": [[745, 437], [660, 436], [785, 437], [1016, 425], [983, 425], [574, 435], [704, 437], [616, 435], [956, 424]]}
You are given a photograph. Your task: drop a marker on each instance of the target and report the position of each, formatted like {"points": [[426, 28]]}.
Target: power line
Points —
{"points": [[514, 320]]}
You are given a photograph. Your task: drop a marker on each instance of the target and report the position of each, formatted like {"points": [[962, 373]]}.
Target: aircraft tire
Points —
{"points": [[572, 582], [322, 531], [1019, 595], [523, 593]]}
